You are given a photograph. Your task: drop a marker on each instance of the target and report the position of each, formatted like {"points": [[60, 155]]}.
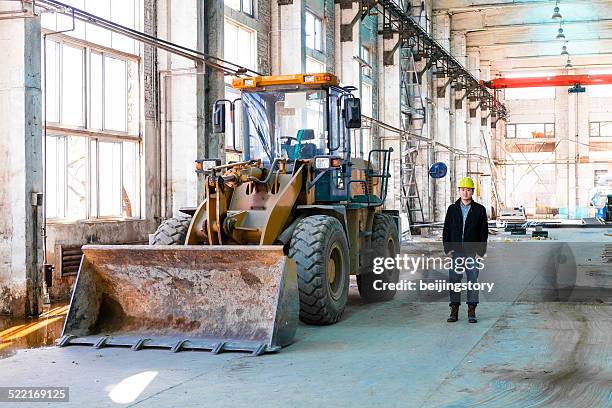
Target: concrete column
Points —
{"points": [[288, 38], [388, 110], [460, 137], [21, 158], [211, 86], [584, 169], [474, 143], [571, 166], [444, 194], [485, 195], [189, 91], [349, 68]]}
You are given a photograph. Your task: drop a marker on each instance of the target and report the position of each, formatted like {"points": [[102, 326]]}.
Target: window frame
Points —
{"points": [[366, 69], [597, 173], [242, 8], [512, 130], [94, 136], [318, 45], [598, 123], [253, 39], [228, 88], [314, 61]]}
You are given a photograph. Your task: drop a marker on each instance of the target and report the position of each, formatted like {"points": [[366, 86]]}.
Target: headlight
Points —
{"points": [[205, 165], [208, 164], [322, 162]]}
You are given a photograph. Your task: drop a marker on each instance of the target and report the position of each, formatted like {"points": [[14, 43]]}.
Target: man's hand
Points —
{"points": [[451, 252]]}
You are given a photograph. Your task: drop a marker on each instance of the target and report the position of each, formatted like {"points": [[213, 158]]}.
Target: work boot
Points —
{"points": [[472, 314], [454, 314]]}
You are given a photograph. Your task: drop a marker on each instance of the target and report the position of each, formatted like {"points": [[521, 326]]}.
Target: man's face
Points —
{"points": [[466, 193]]}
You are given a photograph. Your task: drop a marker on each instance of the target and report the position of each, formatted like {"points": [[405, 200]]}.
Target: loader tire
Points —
{"points": [[320, 250], [385, 244], [172, 231]]}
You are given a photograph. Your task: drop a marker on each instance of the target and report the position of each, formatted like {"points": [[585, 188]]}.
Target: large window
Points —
{"points": [[601, 179], [93, 131], [366, 109], [246, 6], [124, 12], [314, 66], [90, 178], [366, 56], [600, 129], [314, 32], [239, 45], [530, 130], [240, 48]]}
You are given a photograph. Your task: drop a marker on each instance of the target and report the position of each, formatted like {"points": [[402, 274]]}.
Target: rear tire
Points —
{"points": [[172, 231], [385, 244], [320, 250]]}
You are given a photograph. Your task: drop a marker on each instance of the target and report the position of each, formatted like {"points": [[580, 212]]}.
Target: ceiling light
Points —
{"points": [[556, 15], [564, 50], [560, 36], [569, 64]]}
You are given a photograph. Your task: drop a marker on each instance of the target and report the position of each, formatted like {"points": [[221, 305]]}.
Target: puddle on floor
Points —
{"points": [[16, 334]]}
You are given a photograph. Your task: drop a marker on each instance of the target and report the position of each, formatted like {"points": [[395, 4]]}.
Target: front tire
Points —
{"points": [[172, 231], [385, 244], [320, 250]]}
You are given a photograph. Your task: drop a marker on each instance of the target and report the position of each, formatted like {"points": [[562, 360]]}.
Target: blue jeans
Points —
{"points": [[456, 277]]}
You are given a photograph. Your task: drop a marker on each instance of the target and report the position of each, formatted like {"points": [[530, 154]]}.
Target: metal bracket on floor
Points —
{"points": [[179, 346], [65, 340], [140, 344], [102, 342], [259, 350], [218, 347]]}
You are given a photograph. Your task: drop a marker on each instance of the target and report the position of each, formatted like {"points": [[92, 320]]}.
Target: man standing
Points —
{"points": [[465, 236]]}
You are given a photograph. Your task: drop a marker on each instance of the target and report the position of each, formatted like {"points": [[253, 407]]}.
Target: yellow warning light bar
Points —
{"points": [[297, 79]]}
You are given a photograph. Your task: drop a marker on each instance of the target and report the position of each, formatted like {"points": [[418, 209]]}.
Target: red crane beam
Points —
{"points": [[558, 80]]}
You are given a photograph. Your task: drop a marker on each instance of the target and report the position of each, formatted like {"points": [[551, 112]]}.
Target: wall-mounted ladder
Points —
{"points": [[413, 114]]}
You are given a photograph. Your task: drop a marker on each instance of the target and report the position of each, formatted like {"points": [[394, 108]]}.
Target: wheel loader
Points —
{"points": [[276, 237]]}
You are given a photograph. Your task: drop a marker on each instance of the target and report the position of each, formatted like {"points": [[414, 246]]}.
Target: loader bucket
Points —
{"points": [[232, 298]]}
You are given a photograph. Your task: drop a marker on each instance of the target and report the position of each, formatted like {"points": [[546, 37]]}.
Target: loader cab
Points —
{"points": [[295, 117], [299, 117]]}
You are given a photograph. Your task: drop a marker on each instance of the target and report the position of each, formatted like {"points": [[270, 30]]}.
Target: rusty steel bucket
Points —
{"points": [[232, 298]]}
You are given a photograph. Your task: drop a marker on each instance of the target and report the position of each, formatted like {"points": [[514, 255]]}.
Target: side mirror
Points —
{"points": [[352, 113], [219, 118]]}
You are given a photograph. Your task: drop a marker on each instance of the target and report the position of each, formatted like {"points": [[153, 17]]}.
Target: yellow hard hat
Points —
{"points": [[466, 182]]}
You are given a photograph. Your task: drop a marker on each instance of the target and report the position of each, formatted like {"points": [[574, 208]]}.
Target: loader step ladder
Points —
{"points": [[413, 117], [383, 158]]}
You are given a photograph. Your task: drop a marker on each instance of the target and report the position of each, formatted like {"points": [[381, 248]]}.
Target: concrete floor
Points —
{"points": [[531, 350]]}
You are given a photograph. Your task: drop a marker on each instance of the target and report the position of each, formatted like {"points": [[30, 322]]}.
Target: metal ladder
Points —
{"points": [[413, 117]]}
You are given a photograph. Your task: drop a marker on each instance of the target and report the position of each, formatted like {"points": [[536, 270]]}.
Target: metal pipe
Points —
{"points": [[212, 61], [44, 145]]}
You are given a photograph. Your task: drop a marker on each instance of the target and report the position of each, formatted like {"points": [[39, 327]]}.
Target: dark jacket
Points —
{"points": [[476, 229]]}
